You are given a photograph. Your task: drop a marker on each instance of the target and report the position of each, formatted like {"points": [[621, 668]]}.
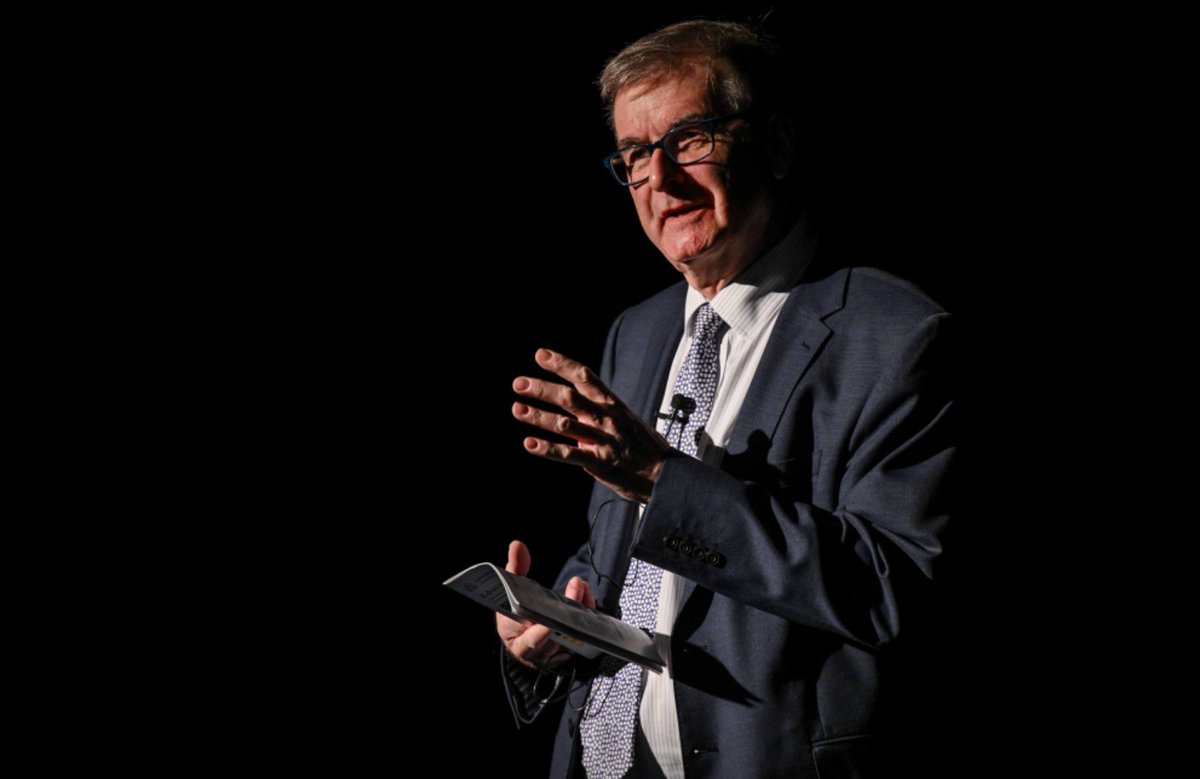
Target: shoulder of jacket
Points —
{"points": [[875, 288]]}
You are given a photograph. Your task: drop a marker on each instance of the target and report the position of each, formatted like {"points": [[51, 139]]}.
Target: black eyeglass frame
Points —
{"points": [[710, 125]]}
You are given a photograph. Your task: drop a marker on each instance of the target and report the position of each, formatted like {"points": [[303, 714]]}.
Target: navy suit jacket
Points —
{"points": [[809, 550]]}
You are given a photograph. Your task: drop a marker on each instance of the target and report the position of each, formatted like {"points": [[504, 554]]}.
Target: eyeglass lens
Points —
{"points": [[690, 143]]}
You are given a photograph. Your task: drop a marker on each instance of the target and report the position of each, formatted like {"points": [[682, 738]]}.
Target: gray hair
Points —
{"points": [[742, 67]]}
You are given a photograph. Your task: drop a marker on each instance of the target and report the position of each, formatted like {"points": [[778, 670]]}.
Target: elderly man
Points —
{"points": [[777, 530]]}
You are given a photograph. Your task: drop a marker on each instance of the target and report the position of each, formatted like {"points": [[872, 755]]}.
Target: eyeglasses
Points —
{"points": [[686, 144]]}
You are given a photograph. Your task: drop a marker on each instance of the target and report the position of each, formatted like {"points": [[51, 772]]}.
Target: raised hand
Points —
{"points": [[612, 443]]}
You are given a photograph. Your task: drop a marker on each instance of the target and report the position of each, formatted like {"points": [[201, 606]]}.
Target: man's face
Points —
{"points": [[708, 218]]}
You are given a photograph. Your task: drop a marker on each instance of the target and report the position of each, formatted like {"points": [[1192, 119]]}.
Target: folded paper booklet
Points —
{"points": [[582, 630]]}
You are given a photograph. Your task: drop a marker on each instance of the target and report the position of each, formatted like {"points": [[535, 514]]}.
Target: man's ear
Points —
{"points": [[781, 144]]}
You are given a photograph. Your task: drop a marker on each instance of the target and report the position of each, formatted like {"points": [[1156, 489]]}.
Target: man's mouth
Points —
{"points": [[679, 211]]}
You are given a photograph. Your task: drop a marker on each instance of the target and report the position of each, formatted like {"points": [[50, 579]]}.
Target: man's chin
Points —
{"points": [[697, 273], [689, 256], [707, 270]]}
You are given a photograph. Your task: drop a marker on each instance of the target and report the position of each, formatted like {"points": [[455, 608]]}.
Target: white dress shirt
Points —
{"points": [[749, 305]]}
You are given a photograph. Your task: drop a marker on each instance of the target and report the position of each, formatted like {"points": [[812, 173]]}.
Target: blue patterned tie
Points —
{"points": [[607, 727]]}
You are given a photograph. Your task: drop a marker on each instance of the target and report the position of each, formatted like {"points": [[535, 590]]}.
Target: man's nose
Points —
{"points": [[662, 169]]}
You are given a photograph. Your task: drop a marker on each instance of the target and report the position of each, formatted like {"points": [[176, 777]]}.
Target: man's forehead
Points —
{"points": [[670, 100]]}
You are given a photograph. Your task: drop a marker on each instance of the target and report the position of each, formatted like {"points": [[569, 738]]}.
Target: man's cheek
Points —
{"points": [[649, 225]]}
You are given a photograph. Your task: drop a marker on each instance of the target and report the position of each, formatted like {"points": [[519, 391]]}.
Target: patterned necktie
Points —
{"points": [[607, 727]]}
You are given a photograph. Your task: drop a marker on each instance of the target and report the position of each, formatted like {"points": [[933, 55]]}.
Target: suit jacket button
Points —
{"points": [[685, 547], [713, 558], [671, 541], [699, 552]]}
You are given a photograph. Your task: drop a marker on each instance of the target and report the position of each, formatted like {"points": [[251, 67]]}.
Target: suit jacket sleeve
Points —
{"points": [[854, 569]]}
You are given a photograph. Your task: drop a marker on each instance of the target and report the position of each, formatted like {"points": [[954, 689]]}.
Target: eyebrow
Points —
{"points": [[686, 119]]}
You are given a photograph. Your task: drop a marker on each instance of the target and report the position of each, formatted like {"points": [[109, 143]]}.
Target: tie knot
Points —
{"points": [[708, 322]]}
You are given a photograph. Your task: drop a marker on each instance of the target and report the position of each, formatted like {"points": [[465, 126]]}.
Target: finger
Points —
{"points": [[519, 559], [564, 453], [583, 377], [531, 645], [509, 628], [567, 398], [550, 654], [563, 425], [578, 590]]}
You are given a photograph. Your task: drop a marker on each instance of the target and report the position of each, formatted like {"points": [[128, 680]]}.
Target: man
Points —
{"points": [[778, 530]]}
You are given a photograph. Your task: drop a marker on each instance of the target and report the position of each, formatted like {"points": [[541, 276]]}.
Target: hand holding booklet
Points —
{"points": [[585, 631]]}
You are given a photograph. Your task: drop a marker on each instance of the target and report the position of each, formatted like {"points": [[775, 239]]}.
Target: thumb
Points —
{"points": [[519, 558], [578, 590]]}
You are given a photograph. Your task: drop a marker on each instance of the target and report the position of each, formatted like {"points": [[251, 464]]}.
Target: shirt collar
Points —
{"points": [[759, 290]]}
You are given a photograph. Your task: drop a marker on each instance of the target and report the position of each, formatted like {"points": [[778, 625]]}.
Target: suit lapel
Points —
{"points": [[657, 348], [659, 352], [796, 339]]}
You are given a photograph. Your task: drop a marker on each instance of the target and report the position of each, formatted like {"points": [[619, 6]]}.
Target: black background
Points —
{"points": [[428, 208]]}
